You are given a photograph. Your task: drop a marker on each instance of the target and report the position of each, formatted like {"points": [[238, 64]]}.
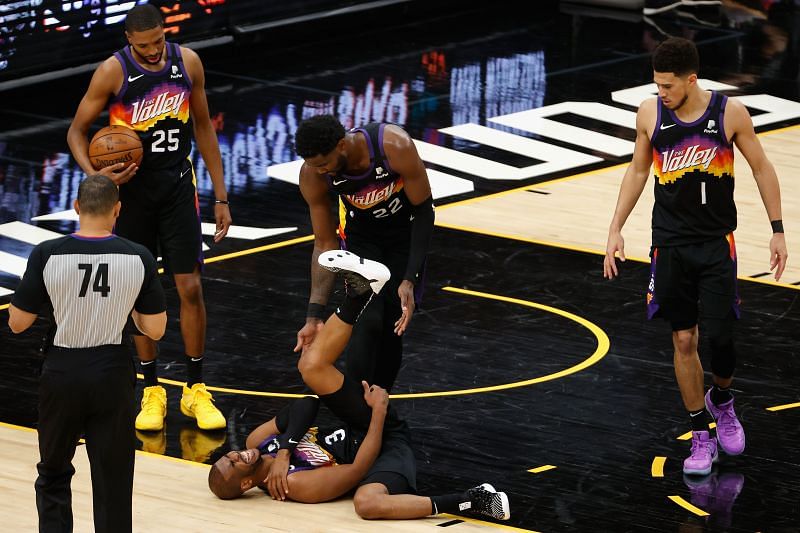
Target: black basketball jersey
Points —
{"points": [[91, 284], [156, 106], [693, 169], [319, 447], [375, 200]]}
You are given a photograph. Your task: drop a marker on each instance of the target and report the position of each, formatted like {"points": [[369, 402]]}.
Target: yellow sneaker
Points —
{"points": [[198, 445], [197, 403], [154, 409], [153, 441]]}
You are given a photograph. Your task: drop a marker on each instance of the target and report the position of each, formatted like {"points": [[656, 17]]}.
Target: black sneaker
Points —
{"points": [[487, 501]]}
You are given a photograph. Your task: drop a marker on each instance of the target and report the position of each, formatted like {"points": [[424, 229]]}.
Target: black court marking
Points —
{"points": [[450, 523], [537, 192]]}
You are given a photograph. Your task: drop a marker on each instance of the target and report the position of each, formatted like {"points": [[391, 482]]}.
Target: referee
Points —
{"points": [[92, 281]]}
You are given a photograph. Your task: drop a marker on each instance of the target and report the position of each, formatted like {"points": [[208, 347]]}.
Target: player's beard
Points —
{"points": [[683, 101], [145, 60]]}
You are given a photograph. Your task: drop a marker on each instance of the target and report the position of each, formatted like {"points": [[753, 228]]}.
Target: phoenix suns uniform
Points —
{"points": [[160, 207], [375, 221], [694, 216]]}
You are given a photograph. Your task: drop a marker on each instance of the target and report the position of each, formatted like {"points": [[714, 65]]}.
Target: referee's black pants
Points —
{"points": [[87, 392]]}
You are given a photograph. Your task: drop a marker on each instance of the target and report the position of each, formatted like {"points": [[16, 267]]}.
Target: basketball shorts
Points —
{"points": [[693, 281], [161, 211], [395, 467]]}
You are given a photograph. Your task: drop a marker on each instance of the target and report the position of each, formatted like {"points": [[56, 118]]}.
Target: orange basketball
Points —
{"points": [[115, 144]]}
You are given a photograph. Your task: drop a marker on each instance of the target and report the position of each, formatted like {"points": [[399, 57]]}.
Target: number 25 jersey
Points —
{"points": [[693, 168], [156, 105]]}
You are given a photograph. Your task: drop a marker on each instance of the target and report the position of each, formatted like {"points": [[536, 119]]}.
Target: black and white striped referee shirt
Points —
{"points": [[92, 284]]}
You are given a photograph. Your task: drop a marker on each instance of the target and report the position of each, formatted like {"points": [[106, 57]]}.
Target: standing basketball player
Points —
{"points": [[93, 281], [689, 134], [385, 214], [157, 89]]}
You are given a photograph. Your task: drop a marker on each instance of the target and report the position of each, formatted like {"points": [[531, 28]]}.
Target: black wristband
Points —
{"points": [[224, 202], [316, 311], [777, 226]]}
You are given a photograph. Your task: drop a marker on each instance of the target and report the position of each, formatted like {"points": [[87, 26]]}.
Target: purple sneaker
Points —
{"points": [[730, 433], [703, 456]]}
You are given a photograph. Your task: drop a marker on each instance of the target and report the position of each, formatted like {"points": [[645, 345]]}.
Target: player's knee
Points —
{"points": [[684, 342], [369, 506], [309, 365], [190, 289]]}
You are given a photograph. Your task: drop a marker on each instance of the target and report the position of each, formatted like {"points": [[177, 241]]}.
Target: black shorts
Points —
{"points": [[395, 467], [681, 277], [161, 211]]}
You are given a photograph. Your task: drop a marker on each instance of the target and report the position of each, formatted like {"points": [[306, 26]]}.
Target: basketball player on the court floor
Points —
{"points": [[688, 134], [157, 89], [385, 214], [91, 281], [289, 459]]}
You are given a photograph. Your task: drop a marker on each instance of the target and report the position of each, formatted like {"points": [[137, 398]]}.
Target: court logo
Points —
{"points": [[710, 127]]}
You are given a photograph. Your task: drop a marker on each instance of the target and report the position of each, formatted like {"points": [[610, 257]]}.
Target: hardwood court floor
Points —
{"points": [[523, 367]]}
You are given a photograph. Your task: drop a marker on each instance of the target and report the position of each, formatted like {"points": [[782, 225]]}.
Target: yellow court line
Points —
{"points": [[688, 506], [688, 434], [603, 345], [657, 468], [4, 306], [481, 522], [14, 426], [784, 407], [264, 248], [540, 469]]}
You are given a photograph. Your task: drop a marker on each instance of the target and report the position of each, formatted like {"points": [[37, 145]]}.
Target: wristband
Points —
{"points": [[777, 226], [224, 202], [316, 310]]}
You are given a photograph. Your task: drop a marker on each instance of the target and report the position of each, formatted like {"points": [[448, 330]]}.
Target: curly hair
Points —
{"points": [[317, 135], [222, 488], [676, 55]]}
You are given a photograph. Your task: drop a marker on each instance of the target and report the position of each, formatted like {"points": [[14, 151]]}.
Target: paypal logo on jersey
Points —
{"points": [[380, 172], [710, 127], [175, 73]]}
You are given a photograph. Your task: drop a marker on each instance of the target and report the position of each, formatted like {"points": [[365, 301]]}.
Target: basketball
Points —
{"points": [[115, 144]]}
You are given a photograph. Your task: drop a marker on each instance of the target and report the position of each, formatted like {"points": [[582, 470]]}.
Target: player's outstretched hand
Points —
{"points": [[615, 244], [407, 305], [777, 254], [116, 174], [375, 396], [307, 334]]}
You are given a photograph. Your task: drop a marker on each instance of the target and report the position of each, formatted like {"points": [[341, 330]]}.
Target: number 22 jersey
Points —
{"points": [[693, 168], [156, 105]]}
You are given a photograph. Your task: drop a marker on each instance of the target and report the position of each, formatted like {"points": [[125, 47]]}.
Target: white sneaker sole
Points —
{"points": [[376, 273]]}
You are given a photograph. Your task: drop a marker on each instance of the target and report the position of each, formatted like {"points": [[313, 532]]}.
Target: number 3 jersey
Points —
{"points": [[156, 106], [374, 202], [319, 447], [693, 167]]}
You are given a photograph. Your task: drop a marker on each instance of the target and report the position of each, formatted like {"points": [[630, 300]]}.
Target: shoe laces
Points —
{"points": [[151, 403], [203, 401], [727, 422]]}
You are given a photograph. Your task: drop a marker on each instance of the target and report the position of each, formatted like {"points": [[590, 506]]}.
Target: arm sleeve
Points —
{"points": [[421, 230], [31, 293], [294, 420], [151, 300]]}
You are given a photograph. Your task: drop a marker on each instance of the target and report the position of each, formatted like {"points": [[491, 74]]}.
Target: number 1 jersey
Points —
{"points": [[156, 105], [693, 170]]}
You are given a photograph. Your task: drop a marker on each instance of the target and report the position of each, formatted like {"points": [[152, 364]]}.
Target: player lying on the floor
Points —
{"points": [[371, 450]]}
